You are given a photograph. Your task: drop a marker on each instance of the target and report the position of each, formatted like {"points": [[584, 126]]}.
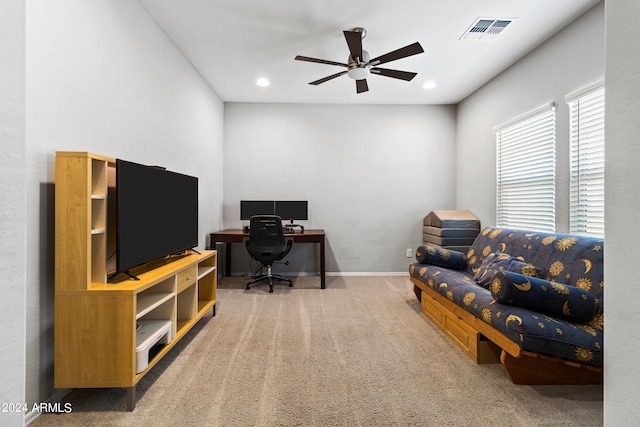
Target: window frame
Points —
{"points": [[587, 160], [526, 171]]}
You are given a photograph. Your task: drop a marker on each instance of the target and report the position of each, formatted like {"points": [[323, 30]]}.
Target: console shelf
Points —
{"points": [[149, 302], [95, 342], [203, 271]]}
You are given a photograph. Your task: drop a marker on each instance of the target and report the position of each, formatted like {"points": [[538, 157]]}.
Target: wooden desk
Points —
{"points": [[236, 235]]}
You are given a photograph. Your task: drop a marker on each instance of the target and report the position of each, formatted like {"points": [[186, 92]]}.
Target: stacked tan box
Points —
{"points": [[451, 229]]}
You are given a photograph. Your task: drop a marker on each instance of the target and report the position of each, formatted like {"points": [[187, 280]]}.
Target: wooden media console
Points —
{"points": [[96, 320]]}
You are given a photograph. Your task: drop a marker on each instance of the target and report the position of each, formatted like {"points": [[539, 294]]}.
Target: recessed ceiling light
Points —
{"points": [[429, 85], [263, 82]]}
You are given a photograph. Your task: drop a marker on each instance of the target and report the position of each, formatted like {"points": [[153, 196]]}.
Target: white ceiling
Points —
{"points": [[232, 43]]}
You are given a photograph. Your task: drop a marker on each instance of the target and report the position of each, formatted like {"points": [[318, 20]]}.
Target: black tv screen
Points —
{"points": [[157, 213]]}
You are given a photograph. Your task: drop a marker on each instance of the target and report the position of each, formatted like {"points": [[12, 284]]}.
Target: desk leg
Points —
{"points": [[227, 256], [322, 270]]}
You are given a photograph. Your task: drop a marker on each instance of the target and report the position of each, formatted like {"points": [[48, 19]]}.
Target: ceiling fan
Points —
{"points": [[359, 65]]}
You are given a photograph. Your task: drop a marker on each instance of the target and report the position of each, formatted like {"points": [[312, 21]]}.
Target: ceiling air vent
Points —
{"points": [[486, 28]]}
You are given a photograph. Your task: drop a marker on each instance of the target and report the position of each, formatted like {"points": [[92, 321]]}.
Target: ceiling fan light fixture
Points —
{"points": [[359, 68], [358, 73]]}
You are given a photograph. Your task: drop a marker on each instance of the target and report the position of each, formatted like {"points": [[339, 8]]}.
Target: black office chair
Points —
{"points": [[267, 245]]}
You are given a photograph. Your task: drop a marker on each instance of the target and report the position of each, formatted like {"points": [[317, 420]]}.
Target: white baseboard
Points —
{"points": [[335, 274], [367, 273], [30, 417]]}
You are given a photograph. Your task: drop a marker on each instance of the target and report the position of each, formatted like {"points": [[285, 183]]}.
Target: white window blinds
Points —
{"points": [[587, 162], [526, 171]]}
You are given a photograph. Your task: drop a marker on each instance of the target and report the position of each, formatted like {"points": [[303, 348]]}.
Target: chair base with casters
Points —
{"points": [[267, 245], [270, 277]]}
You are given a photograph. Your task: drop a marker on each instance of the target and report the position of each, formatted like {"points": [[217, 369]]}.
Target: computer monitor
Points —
{"points": [[249, 208], [292, 210]]}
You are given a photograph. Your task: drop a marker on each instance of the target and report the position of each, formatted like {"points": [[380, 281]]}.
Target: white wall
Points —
{"points": [[622, 176], [369, 172], [570, 60], [12, 207], [103, 77]]}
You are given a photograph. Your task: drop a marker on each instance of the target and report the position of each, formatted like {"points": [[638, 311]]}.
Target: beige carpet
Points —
{"points": [[358, 353]]}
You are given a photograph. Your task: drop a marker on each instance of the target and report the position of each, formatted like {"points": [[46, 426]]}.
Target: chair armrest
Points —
{"points": [[286, 249]]}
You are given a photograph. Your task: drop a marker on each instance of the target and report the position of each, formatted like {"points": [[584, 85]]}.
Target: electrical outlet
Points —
{"points": [[408, 253]]}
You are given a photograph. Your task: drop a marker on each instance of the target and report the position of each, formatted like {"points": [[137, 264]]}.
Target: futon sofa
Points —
{"points": [[532, 301]]}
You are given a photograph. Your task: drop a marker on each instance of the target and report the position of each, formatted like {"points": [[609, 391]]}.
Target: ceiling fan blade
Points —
{"points": [[326, 79], [320, 61], [361, 86], [354, 40], [403, 52], [396, 74]]}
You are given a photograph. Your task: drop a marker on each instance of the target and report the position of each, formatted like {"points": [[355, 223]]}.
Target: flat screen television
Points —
{"points": [[156, 214]]}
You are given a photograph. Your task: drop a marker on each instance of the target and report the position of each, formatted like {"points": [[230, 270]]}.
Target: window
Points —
{"points": [[587, 162], [526, 171]]}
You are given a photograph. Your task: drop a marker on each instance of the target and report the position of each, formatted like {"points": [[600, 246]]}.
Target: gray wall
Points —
{"points": [[369, 172], [622, 177], [571, 60], [104, 78], [12, 207]]}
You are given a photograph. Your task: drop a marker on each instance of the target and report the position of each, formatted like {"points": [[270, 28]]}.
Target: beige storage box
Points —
{"points": [[451, 229]]}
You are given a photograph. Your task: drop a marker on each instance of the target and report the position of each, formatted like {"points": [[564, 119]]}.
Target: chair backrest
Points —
{"points": [[266, 238]]}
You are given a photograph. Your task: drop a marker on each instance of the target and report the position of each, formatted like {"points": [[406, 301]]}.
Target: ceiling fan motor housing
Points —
{"points": [[359, 70]]}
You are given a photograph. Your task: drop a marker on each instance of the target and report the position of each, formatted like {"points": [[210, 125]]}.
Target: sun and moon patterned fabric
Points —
{"points": [[499, 261], [435, 255], [556, 299], [561, 259]]}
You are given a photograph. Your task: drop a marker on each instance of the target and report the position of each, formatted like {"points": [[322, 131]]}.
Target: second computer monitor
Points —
{"points": [[292, 210]]}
